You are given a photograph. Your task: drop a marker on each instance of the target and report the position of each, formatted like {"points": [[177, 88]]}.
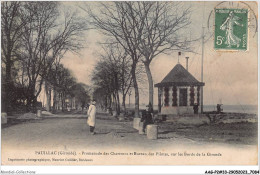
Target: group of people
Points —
{"points": [[147, 116]]}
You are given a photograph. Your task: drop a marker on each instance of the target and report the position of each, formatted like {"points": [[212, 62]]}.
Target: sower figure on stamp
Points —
{"points": [[147, 116], [228, 26], [92, 117]]}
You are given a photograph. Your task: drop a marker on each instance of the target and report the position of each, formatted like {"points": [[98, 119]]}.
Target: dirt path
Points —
{"points": [[71, 131]]}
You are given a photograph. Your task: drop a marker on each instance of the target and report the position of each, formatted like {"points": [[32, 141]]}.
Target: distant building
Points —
{"points": [[178, 92]]}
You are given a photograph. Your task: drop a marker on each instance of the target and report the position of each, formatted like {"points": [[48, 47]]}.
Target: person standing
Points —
{"points": [[219, 108], [196, 108], [92, 117]]}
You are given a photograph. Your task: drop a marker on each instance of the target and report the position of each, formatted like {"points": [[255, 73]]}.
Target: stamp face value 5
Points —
{"points": [[231, 29]]}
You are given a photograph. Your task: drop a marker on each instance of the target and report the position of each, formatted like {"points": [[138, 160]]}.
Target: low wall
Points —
{"points": [[177, 110]]}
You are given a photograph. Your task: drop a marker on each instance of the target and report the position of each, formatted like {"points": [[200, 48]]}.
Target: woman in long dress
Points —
{"points": [[92, 117], [228, 25]]}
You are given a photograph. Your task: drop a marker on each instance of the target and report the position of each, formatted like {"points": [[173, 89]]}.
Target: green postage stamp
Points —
{"points": [[231, 29]]}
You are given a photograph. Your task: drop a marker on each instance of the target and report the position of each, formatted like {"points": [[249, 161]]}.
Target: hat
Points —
{"points": [[93, 102]]}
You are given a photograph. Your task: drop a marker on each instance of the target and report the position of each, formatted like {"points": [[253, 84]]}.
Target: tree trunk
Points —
{"points": [[62, 101], [106, 99], [4, 97], [114, 102], [54, 100], [129, 103], [136, 90], [59, 101], [31, 98], [109, 101], [150, 81], [123, 102], [48, 97], [34, 104], [8, 87], [82, 106], [118, 102]]}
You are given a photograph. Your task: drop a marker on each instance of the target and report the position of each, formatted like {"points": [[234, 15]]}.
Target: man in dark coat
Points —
{"points": [[196, 108], [147, 116], [219, 108]]}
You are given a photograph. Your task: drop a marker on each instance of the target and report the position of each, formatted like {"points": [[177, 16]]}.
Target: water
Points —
{"points": [[249, 109]]}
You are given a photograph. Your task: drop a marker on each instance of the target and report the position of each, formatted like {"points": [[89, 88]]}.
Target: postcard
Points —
{"points": [[129, 83]]}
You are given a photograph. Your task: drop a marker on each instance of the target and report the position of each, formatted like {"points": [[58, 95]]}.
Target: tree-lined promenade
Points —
{"points": [[34, 38], [140, 31], [37, 35]]}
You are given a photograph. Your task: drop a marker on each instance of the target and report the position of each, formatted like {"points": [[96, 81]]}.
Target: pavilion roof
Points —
{"points": [[179, 76]]}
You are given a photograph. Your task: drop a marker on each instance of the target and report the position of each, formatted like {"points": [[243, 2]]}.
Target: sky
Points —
{"points": [[230, 76]]}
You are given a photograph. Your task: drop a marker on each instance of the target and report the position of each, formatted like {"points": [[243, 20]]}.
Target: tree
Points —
{"points": [[113, 75], [80, 92], [47, 38], [146, 28], [162, 32], [35, 36], [11, 25], [125, 78], [120, 65], [51, 83], [64, 83], [106, 79], [103, 97], [116, 20]]}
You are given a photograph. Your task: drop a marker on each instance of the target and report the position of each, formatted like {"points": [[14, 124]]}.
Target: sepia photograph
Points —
{"points": [[129, 83]]}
